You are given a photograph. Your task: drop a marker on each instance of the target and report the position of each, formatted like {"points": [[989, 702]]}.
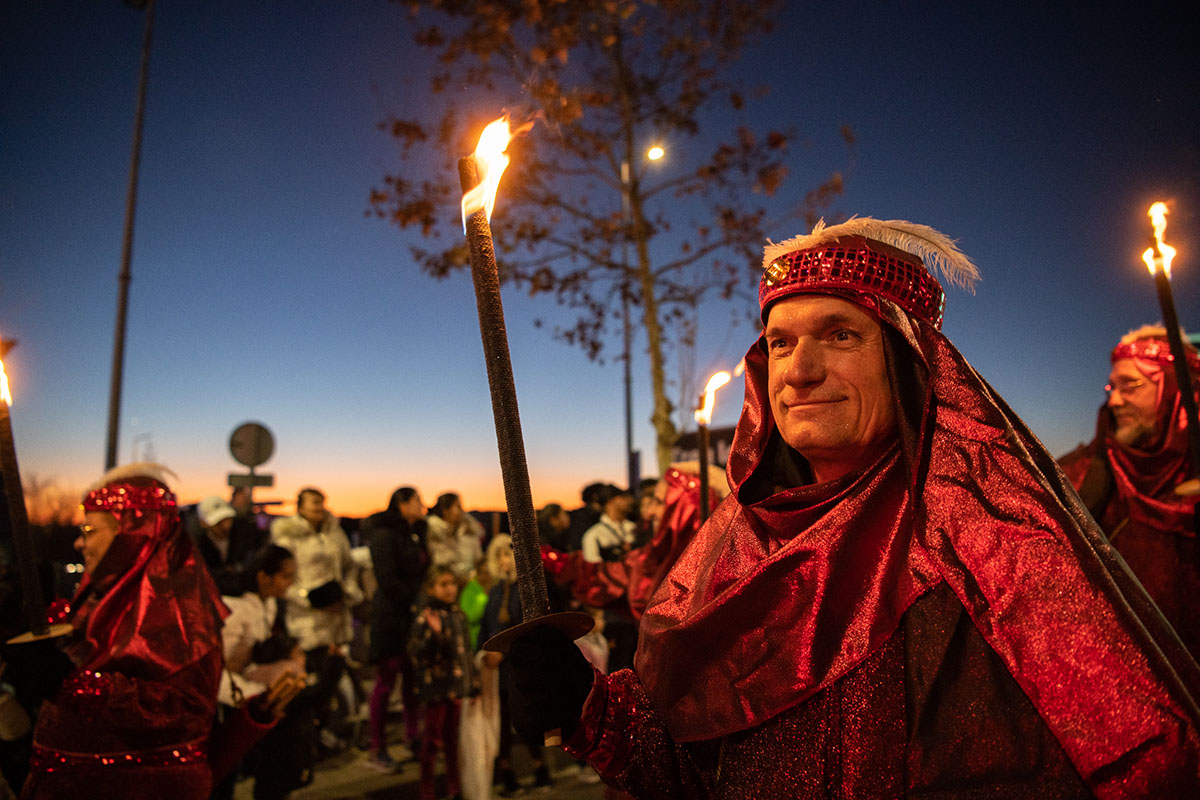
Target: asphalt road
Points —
{"points": [[345, 775]]}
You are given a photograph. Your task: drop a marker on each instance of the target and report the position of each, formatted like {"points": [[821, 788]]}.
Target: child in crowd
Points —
{"points": [[440, 651]]}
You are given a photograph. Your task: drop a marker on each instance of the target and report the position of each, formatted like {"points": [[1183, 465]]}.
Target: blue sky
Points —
{"points": [[261, 291]]}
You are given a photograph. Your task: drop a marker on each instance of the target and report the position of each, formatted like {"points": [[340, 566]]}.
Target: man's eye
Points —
{"points": [[844, 335]]}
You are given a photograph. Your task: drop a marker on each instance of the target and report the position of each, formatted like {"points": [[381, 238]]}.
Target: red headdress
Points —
{"points": [[151, 607], [785, 591]]}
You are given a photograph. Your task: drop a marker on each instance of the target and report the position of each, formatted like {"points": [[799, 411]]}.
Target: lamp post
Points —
{"points": [[632, 460], [118, 364]]}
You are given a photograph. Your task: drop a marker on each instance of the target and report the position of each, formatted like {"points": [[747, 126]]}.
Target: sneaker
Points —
{"points": [[330, 741], [381, 762]]}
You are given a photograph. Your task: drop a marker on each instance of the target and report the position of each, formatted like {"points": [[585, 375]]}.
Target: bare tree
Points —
{"points": [[582, 210], [49, 504]]}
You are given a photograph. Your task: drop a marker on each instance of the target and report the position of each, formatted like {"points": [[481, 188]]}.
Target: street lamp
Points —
{"points": [[632, 461], [118, 363]]}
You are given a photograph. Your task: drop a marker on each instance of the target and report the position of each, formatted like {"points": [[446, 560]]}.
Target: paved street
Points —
{"points": [[345, 776]]}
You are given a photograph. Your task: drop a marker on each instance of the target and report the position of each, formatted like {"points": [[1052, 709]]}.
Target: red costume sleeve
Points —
{"points": [[628, 744]]}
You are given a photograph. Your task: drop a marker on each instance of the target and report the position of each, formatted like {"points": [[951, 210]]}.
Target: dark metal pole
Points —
{"points": [[118, 367], [703, 435], [631, 464]]}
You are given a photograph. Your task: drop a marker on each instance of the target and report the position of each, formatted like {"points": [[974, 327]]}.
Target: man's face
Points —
{"points": [[413, 509], [95, 537], [277, 585], [1133, 400], [221, 530], [312, 508], [828, 384], [619, 506], [453, 515], [652, 504]]}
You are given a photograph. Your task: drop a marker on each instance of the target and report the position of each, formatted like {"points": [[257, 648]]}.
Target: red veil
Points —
{"points": [[969, 498]]}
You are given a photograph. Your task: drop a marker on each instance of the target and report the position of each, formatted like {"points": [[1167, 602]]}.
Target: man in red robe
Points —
{"points": [[1128, 474], [902, 595], [132, 720]]}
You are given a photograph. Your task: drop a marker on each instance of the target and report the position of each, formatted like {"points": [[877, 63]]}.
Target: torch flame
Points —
{"points": [[490, 162], [1166, 253], [704, 413], [5, 395]]}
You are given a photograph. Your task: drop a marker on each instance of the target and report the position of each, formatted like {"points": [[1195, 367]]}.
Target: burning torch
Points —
{"points": [[31, 587], [703, 416], [480, 177], [1158, 258]]}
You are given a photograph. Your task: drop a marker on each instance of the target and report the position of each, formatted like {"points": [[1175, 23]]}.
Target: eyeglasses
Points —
{"points": [[1125, 386]]}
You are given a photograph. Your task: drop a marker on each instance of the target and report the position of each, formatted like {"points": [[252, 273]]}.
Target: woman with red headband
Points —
{"points": [[132, 719]]}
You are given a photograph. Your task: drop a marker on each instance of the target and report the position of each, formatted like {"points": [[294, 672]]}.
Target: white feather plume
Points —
{"points": [[937, 250], [139, 469]]}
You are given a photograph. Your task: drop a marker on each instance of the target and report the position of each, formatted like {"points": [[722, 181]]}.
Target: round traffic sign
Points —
{"points": [[251, 444]]}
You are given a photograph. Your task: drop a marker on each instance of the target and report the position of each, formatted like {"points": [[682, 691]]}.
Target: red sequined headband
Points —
{"points": [[1156, 350], [116, 497], [851, 263]]}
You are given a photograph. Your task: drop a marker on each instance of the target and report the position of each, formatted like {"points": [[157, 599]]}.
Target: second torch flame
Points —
{"points": [[704, 413], [1166, 253], [5, 395], [490, 161]]}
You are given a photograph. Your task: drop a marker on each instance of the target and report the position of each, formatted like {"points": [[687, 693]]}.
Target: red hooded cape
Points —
{"points": [[132, 720], [781, 596]]}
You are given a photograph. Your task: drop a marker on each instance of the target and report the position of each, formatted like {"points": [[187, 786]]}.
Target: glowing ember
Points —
{"points": [[704, 413], [490, 162], [4, 393], [1166, 253]]}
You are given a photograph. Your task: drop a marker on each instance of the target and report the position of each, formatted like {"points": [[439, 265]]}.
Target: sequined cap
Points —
{"points": [[1156, 350], [136, 487], [893, 259], [859, 265], [142, 496]]}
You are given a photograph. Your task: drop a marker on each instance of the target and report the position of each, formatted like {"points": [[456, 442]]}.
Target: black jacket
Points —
{"points": [[399, 559]]}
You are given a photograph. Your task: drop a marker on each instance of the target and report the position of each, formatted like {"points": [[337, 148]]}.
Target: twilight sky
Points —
{"points": [[1036, 137]]}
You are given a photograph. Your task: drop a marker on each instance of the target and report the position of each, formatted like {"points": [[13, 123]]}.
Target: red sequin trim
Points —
{"points": [[46, 760], [856, 267], [127, 497], [1157, 350]]}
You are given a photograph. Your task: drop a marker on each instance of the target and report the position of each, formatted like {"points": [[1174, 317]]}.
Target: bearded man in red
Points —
{"points": [[902, 595], [1128, 474], [132, 720]]}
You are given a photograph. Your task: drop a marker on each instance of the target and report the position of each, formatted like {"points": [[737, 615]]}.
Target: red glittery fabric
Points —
{"points": [[148, 660], [677, 526], [790, 597], [633, 579], [854, 738], [1130, 492]]}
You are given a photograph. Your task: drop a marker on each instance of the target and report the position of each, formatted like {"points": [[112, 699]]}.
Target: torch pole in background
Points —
{"points": [[23, 544]]}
